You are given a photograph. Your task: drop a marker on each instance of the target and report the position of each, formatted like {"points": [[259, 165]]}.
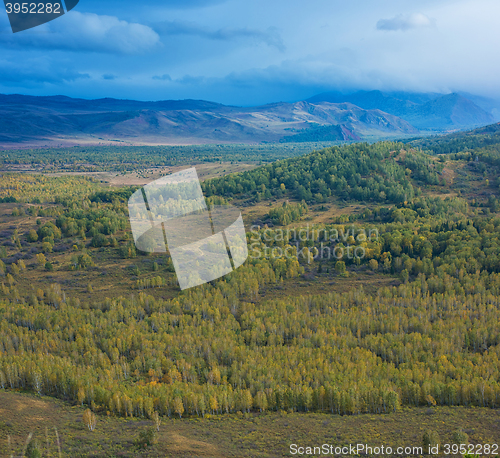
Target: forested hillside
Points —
{"points": [[208, 352], [432, 340], [461, 141], [88, 318], [381, 172]]}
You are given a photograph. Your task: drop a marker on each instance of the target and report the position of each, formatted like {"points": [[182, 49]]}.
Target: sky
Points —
{"points": [[254, 52]]}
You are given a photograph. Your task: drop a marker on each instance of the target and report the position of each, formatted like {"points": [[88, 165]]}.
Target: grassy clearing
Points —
{"points": [[312, 283], [113, 276], [250, 435], [205, 171]]}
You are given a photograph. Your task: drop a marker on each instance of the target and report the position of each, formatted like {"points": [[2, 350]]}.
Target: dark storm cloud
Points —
{"points": [[164, 77], [239, 52], [270, 36], [404, 22], [35, 72], [92, 5]]}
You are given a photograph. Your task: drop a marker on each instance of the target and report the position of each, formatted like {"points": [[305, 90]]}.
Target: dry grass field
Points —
{"points": [[255, 435], [205, 171]]}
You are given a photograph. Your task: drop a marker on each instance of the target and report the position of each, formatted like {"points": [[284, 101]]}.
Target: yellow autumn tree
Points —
{"points": [[89, 419]]}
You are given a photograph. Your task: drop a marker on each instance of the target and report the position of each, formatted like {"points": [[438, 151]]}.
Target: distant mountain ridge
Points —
{"points": [[29, 121], [423, 111], [106, 104], [33, 121]]}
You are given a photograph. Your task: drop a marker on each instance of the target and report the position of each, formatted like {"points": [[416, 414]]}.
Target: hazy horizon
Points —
{"points": [[237, 53], [395, 94]]}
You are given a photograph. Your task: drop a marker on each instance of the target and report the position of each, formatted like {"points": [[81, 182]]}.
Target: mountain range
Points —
{"points": [[433, 112], [28, 121]]}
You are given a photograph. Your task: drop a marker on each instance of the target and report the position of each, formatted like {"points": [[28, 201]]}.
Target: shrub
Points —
{"points": [[40, 258], [460, 437], [81, 261], [146, 438], [340, 267], [430, 439], [32, 236], [33, 450], [99, 240]]}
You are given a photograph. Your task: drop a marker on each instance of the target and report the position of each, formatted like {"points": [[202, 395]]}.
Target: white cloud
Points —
{"points": [[89, 32], [405, 22]]}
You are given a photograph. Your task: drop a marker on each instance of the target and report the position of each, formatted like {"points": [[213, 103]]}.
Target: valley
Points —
{"points": [[272, 352]]}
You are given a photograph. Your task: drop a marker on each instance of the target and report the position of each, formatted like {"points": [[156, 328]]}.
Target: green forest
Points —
{"points": [[87, 318], [125, 158], [359, 171]]}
